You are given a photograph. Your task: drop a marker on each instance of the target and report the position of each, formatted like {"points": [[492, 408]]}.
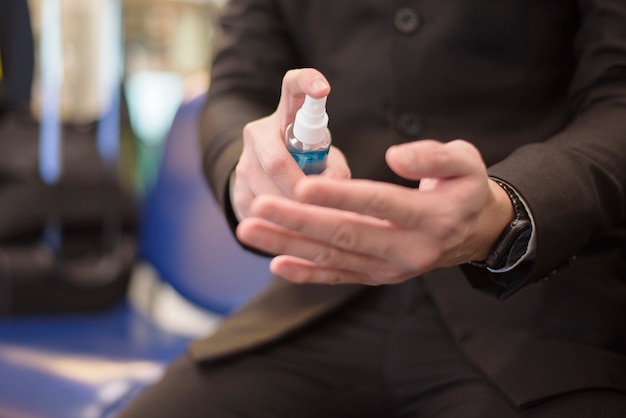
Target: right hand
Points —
{"points": [[370, 232], [265, 165]]}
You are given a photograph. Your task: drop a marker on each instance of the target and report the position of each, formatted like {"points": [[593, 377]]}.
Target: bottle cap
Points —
{"points": [[311, 121]]}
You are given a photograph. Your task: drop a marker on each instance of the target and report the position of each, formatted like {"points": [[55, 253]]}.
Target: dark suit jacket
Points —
{"points": [[538, 87]]}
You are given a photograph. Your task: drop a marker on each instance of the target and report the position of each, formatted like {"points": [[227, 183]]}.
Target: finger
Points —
{"points": [[303, 271], [336, 165], [265, 162], [273, 239], [279, 173], [433, 159], [296, 84], [403, 206], [344, 230]]}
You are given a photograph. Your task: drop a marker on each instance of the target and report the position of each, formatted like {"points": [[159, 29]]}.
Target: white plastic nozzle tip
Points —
{"points": [[311, 121]]}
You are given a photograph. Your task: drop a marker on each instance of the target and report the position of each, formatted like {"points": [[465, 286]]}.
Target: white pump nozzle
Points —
{"points": [[311, 121]]}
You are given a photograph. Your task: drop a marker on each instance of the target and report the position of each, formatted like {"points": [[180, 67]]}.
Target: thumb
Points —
{"points": [[434, 159]]}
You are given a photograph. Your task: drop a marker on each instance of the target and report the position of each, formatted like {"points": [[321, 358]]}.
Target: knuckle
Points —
{"points": [[243, 165], [290, 74], [408, 219], [377, 205], [464, 146], [243, 170], [445, 227], [327, 256], [248, 131], [274, 167], [437, 156], [345, 237], [392, 250]]}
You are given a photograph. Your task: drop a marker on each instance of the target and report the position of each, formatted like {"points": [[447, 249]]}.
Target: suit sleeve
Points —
{"points": [[252, 56], [575, 181]]}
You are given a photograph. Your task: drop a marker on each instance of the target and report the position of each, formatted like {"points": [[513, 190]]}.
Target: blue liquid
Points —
{"points": [[311, 162]]}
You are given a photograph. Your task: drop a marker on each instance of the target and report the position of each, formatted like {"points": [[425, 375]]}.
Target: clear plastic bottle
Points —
{"points": [[308, 138]]}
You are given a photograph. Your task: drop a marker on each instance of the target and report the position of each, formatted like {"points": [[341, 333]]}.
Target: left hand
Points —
{"points": [[361, 231]]}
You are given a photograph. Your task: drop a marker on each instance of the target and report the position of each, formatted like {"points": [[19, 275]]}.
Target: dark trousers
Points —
{"points": [[387, 354]]}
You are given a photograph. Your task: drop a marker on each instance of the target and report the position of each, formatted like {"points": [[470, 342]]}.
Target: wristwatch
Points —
{"points": [[512, 244]]}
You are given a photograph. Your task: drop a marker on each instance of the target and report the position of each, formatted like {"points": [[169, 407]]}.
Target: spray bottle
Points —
{"points": [[308, 138]]}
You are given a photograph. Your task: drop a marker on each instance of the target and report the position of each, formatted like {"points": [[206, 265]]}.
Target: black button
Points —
{"points": [[406, 20], [409, 124]]}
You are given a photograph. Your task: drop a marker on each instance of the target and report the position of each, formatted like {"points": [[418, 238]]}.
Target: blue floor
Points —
{"points": [[84, 366]]}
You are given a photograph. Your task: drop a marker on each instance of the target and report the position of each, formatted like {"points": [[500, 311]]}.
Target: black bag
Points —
{"points": [[64, 247]]}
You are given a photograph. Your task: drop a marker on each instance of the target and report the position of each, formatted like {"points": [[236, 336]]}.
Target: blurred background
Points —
{"points": [[113, 253], [157, 51], [167, 50]]}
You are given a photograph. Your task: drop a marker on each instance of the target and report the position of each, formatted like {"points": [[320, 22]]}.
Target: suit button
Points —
{"points": [[406, 20], [409, 124]]}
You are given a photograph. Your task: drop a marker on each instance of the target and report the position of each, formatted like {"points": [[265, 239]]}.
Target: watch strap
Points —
{"points": [[513, 242]]}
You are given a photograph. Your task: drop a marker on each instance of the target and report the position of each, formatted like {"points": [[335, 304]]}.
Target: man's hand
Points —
{"points": [[359, 231], [265, 166]]}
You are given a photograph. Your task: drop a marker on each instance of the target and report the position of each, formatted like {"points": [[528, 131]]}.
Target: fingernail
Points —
{"points": [[401, 155]]}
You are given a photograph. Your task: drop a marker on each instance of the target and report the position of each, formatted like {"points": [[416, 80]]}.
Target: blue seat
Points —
{"points": [[91, 365], [186, 235]]}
